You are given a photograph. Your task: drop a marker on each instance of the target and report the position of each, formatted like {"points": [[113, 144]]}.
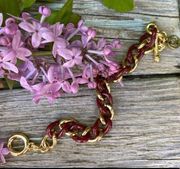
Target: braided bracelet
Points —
{"points": [[153, 41]]}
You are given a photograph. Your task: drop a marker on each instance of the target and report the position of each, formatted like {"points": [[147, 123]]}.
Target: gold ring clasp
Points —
{"points": [[21, 137]]}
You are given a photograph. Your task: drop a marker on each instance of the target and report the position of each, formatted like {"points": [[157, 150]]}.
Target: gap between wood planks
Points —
{"points": [[179, 8]]}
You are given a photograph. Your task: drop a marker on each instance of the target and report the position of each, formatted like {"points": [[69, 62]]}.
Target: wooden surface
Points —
{"points": [[146, 128]]}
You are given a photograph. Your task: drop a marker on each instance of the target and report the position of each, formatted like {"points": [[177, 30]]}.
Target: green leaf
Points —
{"points": [[10, 6], [74, 18], [43, 1], [26, 3], [50, 0], [14, 7], [64, 15], [10, 83], [119, 5]]}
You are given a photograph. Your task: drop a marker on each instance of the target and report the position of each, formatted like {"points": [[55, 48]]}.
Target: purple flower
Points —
{"points": [[116, 44], [91, 33], [35, 29], [82, 27], [27, 70], [5, 41], [44, 10], [3, 152], [16, 51], [50, 60], [88, 77], [53, 35], [69, 29], [11, 27], [7, 65], [72, 57], [74, 87], [57, 73], [49, 91]]}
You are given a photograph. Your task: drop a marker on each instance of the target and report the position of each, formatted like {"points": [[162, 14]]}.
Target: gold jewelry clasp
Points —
{"points": [[45, 145], [20, 137], [162, 41]]}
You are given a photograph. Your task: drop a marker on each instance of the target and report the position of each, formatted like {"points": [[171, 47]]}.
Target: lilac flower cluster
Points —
{"points": [[49, 60], [3, 152]]}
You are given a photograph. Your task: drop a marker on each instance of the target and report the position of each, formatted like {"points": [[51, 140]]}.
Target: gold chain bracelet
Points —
{"points": [[153, 41]]}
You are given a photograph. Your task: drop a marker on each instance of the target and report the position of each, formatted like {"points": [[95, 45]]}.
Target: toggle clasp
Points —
{"points": [[162, 41]]}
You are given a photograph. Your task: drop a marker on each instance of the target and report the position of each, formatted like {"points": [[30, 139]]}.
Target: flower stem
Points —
{"points": [[95, 52], [42, 53], [73, 34], [91, 59]]}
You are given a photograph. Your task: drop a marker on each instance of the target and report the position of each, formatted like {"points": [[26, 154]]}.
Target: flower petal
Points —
{"points": [[92, 85], [65, 53], [66, 87], [37, 98], [38, 88], [54, 51], [60, 43], [78, 60], [27, 27], [55, 87], [10, 66], [5, 151], [1, 146], [76, 52], [74, 87], [22, 53], [84, 40], [16, 42], [8, 55], [36, 40], [69, 64], [25, 84], [54, 73], [48, 36], [82, 80], [2, 159], [101, 43], [57, 29]]}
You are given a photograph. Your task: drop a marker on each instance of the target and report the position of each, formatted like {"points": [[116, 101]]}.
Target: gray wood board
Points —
{"points": [[146, 130]]}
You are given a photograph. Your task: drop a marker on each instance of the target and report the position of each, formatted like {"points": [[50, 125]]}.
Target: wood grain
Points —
{"points": [[146, 125], [146, 130]]}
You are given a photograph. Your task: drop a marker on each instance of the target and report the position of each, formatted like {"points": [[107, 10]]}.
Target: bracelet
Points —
{"points": [[153, 41]]}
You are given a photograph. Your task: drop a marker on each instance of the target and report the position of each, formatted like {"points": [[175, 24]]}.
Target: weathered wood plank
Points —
{"points": [[146, 128], [145, 7]]}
